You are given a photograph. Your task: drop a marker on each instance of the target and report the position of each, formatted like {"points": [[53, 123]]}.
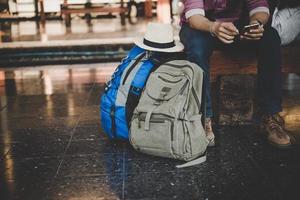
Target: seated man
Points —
{"points": [[206, 24], [286, 20]]}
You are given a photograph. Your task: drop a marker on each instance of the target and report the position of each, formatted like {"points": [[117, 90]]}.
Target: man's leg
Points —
{"points": [[198, 47], [269, 86], [269, 73]]}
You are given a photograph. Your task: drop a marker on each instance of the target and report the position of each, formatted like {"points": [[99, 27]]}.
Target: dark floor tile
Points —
{"points": [[281, 165], [26, 178], [36, 135], [50, 101], [82, 86], [70, 98], [76, 98], [286, 178], [26, 100], [90, 120], [37, 149], [21, 189], [256, 144], [95, 100], [35, 86], [87, 147], [69, 111], [40, 122], [26, 168], [91, 165], [140, 163], [89, 111], [19, 112], [99, 86], [96, 95], [200, 184], [63, 87], [89, 133], [97, 187], [49, 109], [167, 185]]}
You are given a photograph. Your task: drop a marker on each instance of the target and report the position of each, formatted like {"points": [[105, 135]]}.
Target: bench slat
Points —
{"points": [[93, 10], [225, 64]]}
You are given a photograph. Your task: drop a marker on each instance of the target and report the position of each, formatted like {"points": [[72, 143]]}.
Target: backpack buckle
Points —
{"points": [[164, 91], [135, 90]]}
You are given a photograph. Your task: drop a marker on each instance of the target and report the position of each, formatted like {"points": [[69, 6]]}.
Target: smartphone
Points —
{"points": [[250, 27]]}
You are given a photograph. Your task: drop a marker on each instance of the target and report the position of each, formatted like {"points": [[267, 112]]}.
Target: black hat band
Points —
{"points": [[159, 45]]}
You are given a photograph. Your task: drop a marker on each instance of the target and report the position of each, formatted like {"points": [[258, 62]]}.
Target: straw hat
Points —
{"points": [[159, 37]]}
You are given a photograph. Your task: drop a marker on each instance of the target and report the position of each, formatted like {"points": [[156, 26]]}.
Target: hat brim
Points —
{"points": [[177, 48]]}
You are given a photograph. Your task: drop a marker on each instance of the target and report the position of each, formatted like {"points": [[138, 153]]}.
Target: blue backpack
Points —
{"points": [[123, 91]]}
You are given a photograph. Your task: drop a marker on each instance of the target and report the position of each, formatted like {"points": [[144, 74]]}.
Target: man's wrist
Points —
{"points": [[212, 29]]}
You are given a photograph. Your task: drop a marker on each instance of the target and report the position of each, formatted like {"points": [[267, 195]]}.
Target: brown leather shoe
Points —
{"points": [[276, 133]]}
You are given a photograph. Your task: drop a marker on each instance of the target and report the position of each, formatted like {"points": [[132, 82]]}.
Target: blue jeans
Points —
{"points": [[200, 45]]}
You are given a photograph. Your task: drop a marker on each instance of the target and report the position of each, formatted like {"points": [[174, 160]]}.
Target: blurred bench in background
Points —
{"points": [[67, 9]]}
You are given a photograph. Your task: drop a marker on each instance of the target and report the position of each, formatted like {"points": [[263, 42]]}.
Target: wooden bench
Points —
{"points": [[68, 9], [235, 104], [229, 63]]}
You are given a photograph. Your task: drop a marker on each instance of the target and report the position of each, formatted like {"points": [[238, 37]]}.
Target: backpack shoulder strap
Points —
{"points": [[134, 52]]}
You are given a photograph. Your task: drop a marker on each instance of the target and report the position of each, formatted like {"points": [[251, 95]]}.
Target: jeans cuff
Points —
{"points": [[208, 114]]}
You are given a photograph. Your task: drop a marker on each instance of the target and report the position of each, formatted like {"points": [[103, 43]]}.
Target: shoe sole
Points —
{"points": [[280, 146], [292, 139], [211, 144]]}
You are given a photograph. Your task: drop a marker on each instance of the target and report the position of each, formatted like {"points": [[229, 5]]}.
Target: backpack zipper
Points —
{"points": [[168, 81], [179, 66], [132, 66], [113, 122], [179, 92]]}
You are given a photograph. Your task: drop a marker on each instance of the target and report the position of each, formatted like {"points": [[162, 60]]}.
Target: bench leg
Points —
{"points": [[236, 99], [68, 20], [123, 19]]}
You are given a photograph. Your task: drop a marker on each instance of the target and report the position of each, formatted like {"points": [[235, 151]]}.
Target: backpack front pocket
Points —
{"points": [[155, 141], [163, 87]]}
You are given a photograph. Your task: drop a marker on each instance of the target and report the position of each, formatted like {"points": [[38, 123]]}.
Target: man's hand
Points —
{"points": [[224, 31], [253, 34]]}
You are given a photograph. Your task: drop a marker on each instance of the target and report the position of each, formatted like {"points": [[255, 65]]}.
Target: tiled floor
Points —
{"points": [[52, 147]]}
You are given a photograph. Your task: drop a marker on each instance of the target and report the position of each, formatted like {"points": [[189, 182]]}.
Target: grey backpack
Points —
{"points": [[167, 120]]}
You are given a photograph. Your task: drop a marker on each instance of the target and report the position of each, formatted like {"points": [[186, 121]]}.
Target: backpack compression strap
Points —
{"points": [[196, 161]]}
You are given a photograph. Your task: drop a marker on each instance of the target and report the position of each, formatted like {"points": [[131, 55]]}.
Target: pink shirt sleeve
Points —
{"points": [[255, 6], [193, 4], [193, 7]]}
